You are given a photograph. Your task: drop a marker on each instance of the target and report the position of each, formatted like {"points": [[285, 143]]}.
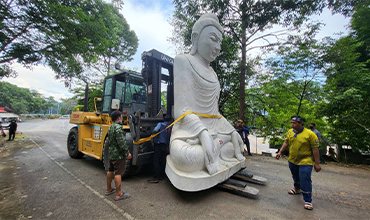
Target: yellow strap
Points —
{"points": [[142, 140]]}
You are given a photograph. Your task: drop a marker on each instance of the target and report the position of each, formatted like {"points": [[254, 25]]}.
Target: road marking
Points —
{"points": [[110, 203], [51, 126]]}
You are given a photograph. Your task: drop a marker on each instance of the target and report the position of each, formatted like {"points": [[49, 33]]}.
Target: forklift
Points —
{"points": [[139, 97]]}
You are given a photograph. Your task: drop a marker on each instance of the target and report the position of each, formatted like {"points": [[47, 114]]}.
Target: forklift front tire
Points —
{"points": [[72, 144]]}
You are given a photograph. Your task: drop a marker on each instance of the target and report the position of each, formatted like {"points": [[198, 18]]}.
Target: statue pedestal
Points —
{"points": [[201, 180]]}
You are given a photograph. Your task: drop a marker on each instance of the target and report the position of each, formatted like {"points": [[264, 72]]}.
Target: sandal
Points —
{"points": [[110, 192], [123, 196], [308, 206], [294, 192]]}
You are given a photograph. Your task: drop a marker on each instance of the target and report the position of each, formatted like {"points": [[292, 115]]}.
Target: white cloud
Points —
{"points": [[150, 23], [334, 24], [41, 79]]}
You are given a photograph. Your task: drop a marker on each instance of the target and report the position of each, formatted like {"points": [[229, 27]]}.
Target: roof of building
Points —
{"points": [[5, 109], [8, 115]]}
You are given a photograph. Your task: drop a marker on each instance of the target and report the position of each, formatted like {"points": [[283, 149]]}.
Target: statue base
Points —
{"points": [[201, 180]]}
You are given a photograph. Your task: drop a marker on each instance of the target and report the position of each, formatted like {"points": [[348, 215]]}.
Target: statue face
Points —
{"points": [[209, 43]]}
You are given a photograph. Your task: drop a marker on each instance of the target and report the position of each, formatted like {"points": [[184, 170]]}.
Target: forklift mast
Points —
{"points": [[157, 69]]}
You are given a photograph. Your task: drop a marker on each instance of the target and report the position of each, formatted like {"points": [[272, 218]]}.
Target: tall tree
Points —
{"points": [[67, 106], [348, 84], [302, 67], [62, 34], [250, 23], [21, 100], [119, 44]]}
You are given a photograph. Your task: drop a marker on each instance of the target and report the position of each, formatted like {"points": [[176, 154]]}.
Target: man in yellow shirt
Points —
{"points": [[303, 148]]}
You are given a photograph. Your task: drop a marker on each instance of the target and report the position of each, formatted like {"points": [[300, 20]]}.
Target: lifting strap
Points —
{"points": [[142, 140]]}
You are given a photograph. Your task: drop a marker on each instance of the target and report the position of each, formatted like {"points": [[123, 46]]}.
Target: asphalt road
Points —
{"points": [[39, 180]]}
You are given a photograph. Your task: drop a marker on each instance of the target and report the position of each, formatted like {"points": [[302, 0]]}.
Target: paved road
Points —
{"points": [[39, 179]]}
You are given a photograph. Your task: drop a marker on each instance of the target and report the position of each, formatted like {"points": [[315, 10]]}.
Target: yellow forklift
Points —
{"points": [[139, 97]]}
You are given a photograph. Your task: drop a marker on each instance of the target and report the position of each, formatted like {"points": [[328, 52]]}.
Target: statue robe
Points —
{"points": [[197, 89]]}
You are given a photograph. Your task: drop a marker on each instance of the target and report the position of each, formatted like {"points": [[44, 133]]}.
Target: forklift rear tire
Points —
{"points": [[72, 144]]}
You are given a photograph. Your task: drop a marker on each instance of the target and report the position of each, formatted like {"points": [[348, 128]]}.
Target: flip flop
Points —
{"points": [[123, 196], [308, 206], [110, 192], [293, 192]]}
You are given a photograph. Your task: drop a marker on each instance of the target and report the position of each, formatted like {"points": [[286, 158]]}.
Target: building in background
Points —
{"points": [[6, 114]]}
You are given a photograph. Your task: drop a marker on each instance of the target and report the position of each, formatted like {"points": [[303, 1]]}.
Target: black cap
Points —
{"points": [[297, 118]]}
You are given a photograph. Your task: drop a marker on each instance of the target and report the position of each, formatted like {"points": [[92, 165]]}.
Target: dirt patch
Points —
{"points": [[10, 195]]}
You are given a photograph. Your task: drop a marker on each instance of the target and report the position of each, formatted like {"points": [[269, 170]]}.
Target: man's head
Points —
{"points": [[297, 122], [312, 126], [239, 123], [116, 116], [167, 118]]}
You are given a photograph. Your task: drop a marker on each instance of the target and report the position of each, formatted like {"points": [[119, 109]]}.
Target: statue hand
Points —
{"points": [[193, 141]]}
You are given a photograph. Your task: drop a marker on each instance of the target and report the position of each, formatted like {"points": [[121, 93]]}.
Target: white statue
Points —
{"points": [[203, 151]]}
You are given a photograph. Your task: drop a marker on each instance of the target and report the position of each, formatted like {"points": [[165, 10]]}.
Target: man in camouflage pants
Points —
{"points": [[117, 154]]}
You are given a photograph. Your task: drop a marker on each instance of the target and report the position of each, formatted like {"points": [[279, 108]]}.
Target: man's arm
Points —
{"points": [[314, 142], [156, 129], [282, 149], [316, 155], [121, 141]]}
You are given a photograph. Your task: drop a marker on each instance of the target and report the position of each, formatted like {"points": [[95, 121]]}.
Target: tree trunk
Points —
{"points": [[242, 70]]}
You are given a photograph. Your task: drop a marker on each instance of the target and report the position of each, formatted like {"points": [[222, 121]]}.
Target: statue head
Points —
{"points": [[204, 21]]}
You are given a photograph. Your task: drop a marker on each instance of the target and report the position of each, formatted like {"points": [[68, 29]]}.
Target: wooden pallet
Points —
{"points": [[245, 191], [237, 184], [248, 177]]}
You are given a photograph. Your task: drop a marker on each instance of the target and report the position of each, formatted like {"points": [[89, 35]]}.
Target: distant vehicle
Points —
{"points": [[64, 117]]}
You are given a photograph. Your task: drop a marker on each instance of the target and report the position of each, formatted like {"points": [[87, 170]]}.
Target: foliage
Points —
{"points": [[117, 46], [49, 102], [291, 86], [62, 34], [348, 84], [67, 106], [95, 90], [23, 100], [249, 26], [164, 99], [78, 108]]}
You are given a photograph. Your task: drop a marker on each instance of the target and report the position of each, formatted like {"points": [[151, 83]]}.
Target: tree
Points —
{"points": [[48, 103], [62, 34], [300, 67], [348, 84], [249, 24], [119, 45], [347, 108], [19, 107], [21, 100], [67, 106], [37, 102], [95, 90]]}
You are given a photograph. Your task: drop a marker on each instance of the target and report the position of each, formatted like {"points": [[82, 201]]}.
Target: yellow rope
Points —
{"points": [[142, 140]]}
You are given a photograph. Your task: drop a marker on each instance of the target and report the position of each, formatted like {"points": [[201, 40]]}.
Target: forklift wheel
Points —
{"points": [[72, 144]]}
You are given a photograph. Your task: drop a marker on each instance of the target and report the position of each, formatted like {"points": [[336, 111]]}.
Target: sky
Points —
{"points": [[150, 21]]}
